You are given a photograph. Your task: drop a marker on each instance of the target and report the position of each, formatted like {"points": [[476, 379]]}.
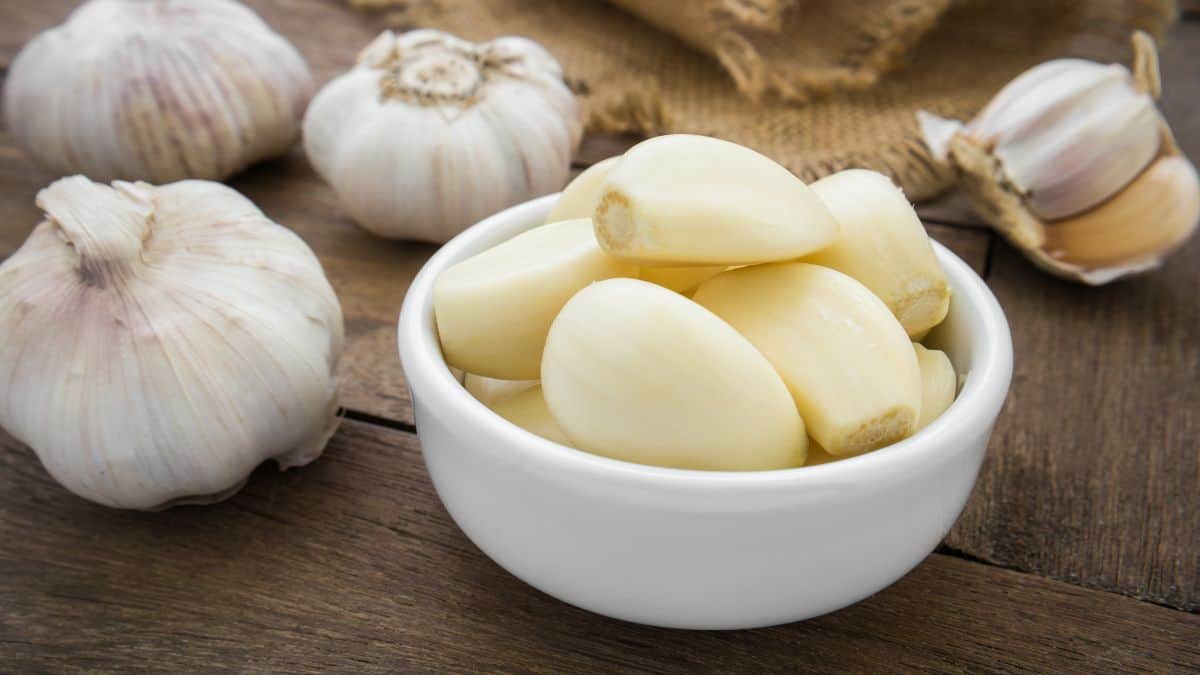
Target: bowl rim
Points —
{"points": [[976, 407]]}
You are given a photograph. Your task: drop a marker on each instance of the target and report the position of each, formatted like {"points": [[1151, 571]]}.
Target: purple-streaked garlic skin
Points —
{"points": [[157, 90]]}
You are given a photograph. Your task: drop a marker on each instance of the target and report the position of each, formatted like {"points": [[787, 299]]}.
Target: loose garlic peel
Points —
{"points": [[681, 200], [161, 342], [845, 358], [635, 372], [493, 310], [157, 90], [939, 384], [428, 133], [1061, 145], [883, 245]]}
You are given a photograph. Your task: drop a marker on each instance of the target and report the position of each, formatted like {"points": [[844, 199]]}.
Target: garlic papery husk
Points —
{"points": [[157, 90], [1061, 144], [158, 343], [1165, 202], [428, 133]]}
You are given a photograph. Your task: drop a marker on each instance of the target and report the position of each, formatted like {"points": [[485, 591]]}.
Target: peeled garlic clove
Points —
{"points": [[884, 246], [527, 409], [579, 200], [493, 310], [846, 360], [635, 372], [817, 455], [159, 343], [581, 196], [157, 90], [490, 391], [680, 279], [681, 200], [1155, 214], [939, 384], [429, 133]]}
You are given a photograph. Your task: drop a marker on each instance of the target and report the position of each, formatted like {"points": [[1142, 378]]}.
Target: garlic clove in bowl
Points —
{"points": [[429, 133], [159, 343], [156, 90], [1073, 164]]}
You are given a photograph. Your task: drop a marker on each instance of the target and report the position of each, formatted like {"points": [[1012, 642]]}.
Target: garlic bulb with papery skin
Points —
{"points": [[1060, 147], [157, 90], [428, 133], [158, 343]]}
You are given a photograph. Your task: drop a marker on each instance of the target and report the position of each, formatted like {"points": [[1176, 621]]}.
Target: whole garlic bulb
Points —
{"points": [[158, 343], [428, 133], [1072, 162], [157, 90]]}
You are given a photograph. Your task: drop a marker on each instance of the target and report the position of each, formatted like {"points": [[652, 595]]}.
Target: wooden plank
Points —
{"points": [[352, 564], [970, 244], [1094, 466], [1181, 88]]}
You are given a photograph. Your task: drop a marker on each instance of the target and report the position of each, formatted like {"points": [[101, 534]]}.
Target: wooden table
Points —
{"points": [[1079, 550]]}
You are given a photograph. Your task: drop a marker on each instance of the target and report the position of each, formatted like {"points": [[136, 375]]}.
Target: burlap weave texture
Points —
{"points": [[819, 85]]}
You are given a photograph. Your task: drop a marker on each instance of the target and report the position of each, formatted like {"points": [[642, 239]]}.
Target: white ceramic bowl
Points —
{"points": [[695, 549]]}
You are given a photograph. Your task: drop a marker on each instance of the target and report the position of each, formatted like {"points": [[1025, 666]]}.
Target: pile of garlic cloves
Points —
{"points": [[1072, 163]]}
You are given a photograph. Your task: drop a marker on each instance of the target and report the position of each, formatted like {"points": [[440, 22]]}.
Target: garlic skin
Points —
{"points": [[1164, 200], [1069, 134], [1049, 160], [161, 342], [157, 90], [428, 133]]}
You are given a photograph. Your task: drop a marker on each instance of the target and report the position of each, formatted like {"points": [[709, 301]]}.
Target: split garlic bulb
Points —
{"points": [[428, 133], [157, 90], [1072, 158], [158, 343]]}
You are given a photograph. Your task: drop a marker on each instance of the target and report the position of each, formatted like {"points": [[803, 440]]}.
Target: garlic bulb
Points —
{"points": [[429, 133], [1059, 147], [157, 90], [158, 343]]}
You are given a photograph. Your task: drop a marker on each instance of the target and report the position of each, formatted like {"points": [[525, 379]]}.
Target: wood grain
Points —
{"points": [[352, 564], [1094, 472], [1093, 479], [1095, 462]]}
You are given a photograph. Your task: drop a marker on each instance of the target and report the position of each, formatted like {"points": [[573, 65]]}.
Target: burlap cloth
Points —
{"points": [[819, 85]]}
